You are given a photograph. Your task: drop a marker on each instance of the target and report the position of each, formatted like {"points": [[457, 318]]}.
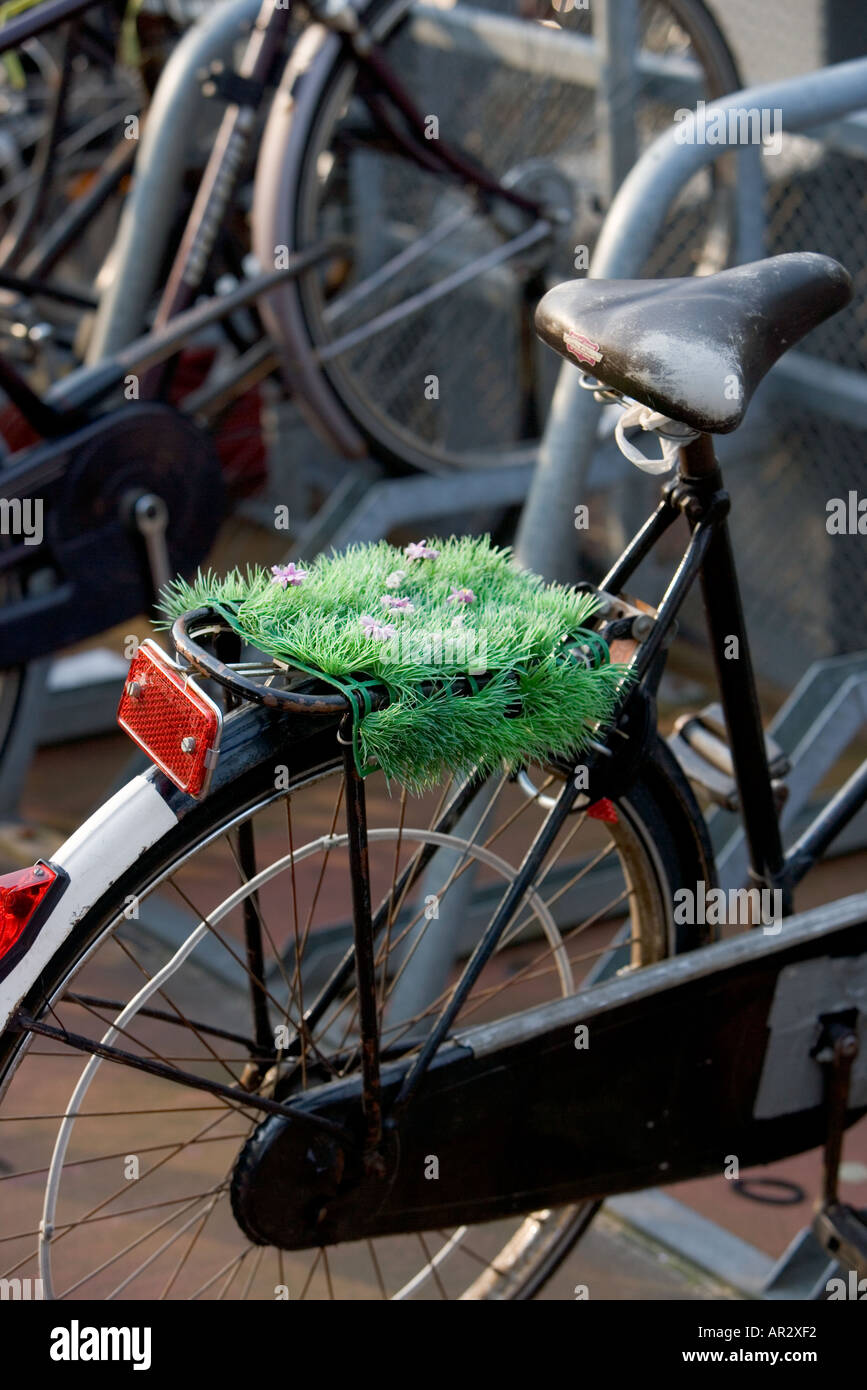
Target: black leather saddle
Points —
{"points": [[694, 349]]}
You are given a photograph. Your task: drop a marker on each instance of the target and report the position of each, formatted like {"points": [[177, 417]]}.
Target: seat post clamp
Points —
{"points": [[700, 499]]}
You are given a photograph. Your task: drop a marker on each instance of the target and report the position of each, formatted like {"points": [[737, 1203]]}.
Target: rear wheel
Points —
{"points": [[129, 1174], [426, 337]]}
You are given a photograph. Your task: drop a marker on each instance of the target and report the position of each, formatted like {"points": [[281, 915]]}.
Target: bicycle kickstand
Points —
{"points": [[839, 1228]]}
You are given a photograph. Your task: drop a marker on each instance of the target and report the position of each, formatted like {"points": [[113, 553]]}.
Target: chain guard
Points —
{"points": [[691, 1058]]}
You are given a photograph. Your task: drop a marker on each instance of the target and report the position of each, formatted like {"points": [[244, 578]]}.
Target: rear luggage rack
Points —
{"points": [[202, 622]]}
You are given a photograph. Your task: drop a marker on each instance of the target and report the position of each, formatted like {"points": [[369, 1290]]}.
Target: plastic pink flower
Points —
{"points": [[396, 603], [374, 628], [394, 579], [461, 596], [420, 550], [288, 574]]}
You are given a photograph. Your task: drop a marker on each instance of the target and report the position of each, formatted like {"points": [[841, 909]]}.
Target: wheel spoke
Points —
{"points": [[173, 1216], [383, 1293]]}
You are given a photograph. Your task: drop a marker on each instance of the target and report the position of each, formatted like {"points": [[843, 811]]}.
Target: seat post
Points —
{"points": [[701, 478]]}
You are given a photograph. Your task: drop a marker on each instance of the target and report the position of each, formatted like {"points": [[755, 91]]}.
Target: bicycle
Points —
{"points": [[390, 1112]]}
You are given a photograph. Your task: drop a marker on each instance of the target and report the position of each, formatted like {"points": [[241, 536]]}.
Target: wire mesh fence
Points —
{"points": [[816, 580]]}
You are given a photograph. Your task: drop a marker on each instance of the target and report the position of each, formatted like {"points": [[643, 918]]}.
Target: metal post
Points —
{"points": [[615, 24]]}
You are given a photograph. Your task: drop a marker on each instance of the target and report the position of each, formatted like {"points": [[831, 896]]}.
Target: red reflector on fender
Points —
{"points": [[171, 719], [20, 895], [603, 810]]}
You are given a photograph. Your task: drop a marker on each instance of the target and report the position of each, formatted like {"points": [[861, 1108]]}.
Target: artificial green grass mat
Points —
{"points": [[373, 612]]}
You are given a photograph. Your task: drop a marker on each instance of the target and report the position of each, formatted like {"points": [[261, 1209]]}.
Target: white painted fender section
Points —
{"points": [[99, 852]]}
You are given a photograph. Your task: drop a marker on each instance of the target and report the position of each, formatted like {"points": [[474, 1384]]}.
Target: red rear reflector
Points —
{"points": [[171, 719], [20, 896], [603, 810]]}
